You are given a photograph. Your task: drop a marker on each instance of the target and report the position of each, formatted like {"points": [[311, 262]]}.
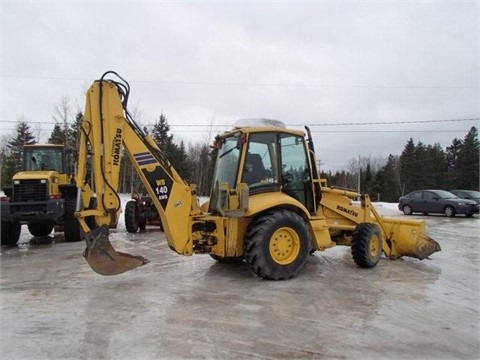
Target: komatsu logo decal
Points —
{"points": [[117, 145], [347, 211], [144, 158]]}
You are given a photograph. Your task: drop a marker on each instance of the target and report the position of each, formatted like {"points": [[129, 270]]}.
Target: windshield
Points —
{"points": [[226, 168], [43, 158], [472, 194], [227, 162], [445, 194]]}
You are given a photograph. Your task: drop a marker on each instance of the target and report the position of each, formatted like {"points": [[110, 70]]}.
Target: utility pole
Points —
{"points": [[359, 170]]}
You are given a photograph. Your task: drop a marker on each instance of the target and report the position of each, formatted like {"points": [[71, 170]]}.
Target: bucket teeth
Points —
{"points": [[104, 259]]}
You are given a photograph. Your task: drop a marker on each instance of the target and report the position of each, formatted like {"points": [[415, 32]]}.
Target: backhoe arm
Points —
{"points": [[107, 128]]}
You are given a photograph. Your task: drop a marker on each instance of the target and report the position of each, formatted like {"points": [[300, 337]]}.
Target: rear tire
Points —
{"points": [[407, 210], [367, 245], [131, 216], [449, 211], [277, 244], [10, 233], [71, 228], [39, 229]]}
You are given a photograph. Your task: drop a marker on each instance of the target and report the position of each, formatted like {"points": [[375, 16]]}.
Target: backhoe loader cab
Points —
{"points": [[268, 206], [266, 157]]}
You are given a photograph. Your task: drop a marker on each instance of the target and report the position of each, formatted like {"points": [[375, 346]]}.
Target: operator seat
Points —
{"points": [[254, 170]]}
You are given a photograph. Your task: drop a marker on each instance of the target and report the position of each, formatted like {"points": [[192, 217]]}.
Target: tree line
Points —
{"points": [[418, 166]]}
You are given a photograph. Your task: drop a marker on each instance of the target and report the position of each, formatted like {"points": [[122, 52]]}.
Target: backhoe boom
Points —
{"points": [[106, 129]]}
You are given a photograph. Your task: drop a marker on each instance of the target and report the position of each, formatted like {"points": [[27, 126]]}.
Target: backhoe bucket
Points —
{"points": [[104, 259], [408, 238]]}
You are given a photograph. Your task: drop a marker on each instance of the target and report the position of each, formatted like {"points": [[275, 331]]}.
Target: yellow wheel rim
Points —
{"points": [[375, 246], [284, 246]]}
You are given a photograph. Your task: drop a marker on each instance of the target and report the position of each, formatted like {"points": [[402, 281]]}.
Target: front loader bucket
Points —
{"points": [[104, 259], [406, 237]]}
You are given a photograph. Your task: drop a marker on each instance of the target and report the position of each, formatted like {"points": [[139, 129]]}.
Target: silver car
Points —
{"points": [[467, 194]]}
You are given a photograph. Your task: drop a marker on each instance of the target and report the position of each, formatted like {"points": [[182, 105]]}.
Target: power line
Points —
{"points": [[394, 122], [318, 124], [231, 83]]}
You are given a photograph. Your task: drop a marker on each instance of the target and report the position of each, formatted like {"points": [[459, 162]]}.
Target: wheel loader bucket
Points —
{"points": [[406, 237], [104, 259]]}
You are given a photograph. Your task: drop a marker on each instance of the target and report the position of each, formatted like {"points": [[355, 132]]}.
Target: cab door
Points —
{"points": [[295, 169], [277, 161]]}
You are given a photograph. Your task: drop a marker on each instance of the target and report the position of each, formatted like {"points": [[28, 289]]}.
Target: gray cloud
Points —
{"points": [[214, 62]]}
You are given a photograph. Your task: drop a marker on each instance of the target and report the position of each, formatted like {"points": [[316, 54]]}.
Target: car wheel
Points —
{"points": [[449, 211], [407, 210]]}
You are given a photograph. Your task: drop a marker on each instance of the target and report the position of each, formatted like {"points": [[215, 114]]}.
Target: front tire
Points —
{"points": [[277, 244], [10, 233], [39, 229], [367, 244]]}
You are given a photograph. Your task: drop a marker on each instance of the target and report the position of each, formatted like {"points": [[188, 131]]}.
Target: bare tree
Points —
{"points": [[62, 115]]}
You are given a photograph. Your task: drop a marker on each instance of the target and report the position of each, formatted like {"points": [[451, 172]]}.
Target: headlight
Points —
{"points": [[461, 204]]}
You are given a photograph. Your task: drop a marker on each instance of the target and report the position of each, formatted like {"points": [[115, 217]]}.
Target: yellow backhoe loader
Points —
{"points": [[268, 207]]}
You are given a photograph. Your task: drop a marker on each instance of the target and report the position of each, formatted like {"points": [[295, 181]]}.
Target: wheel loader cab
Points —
{"points": [[267, 159], [48, 157]]}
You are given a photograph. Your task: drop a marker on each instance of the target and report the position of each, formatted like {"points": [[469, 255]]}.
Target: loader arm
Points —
{"points": [[401, 237], [107, 128]]}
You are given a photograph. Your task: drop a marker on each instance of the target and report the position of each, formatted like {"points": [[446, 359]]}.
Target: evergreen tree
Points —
{"points": [[386, 185], [419, 168], [174, 153], [57, 136], [435, 168], [13, 157], [451, 163], [74, 132], [407, 166], [160, 132], [467, 166], [366, 180]]}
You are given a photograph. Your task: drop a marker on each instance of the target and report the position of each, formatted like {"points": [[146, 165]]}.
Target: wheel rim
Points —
{"points": [[284, 246], [448, 211], [375, 246]]}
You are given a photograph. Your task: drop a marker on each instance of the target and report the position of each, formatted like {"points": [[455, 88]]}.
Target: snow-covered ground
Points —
{"points": [[53, 306]]}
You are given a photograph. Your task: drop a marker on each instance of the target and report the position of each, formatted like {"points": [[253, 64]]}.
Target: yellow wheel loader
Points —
{"points": [[41, 196], [268, 207]]}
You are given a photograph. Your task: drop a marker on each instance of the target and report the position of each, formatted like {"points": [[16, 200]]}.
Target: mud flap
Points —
{"points": [[407, 238], [104, 259]]}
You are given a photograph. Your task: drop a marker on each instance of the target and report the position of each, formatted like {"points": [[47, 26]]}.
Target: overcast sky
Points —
{"points": [[400, 69]]}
